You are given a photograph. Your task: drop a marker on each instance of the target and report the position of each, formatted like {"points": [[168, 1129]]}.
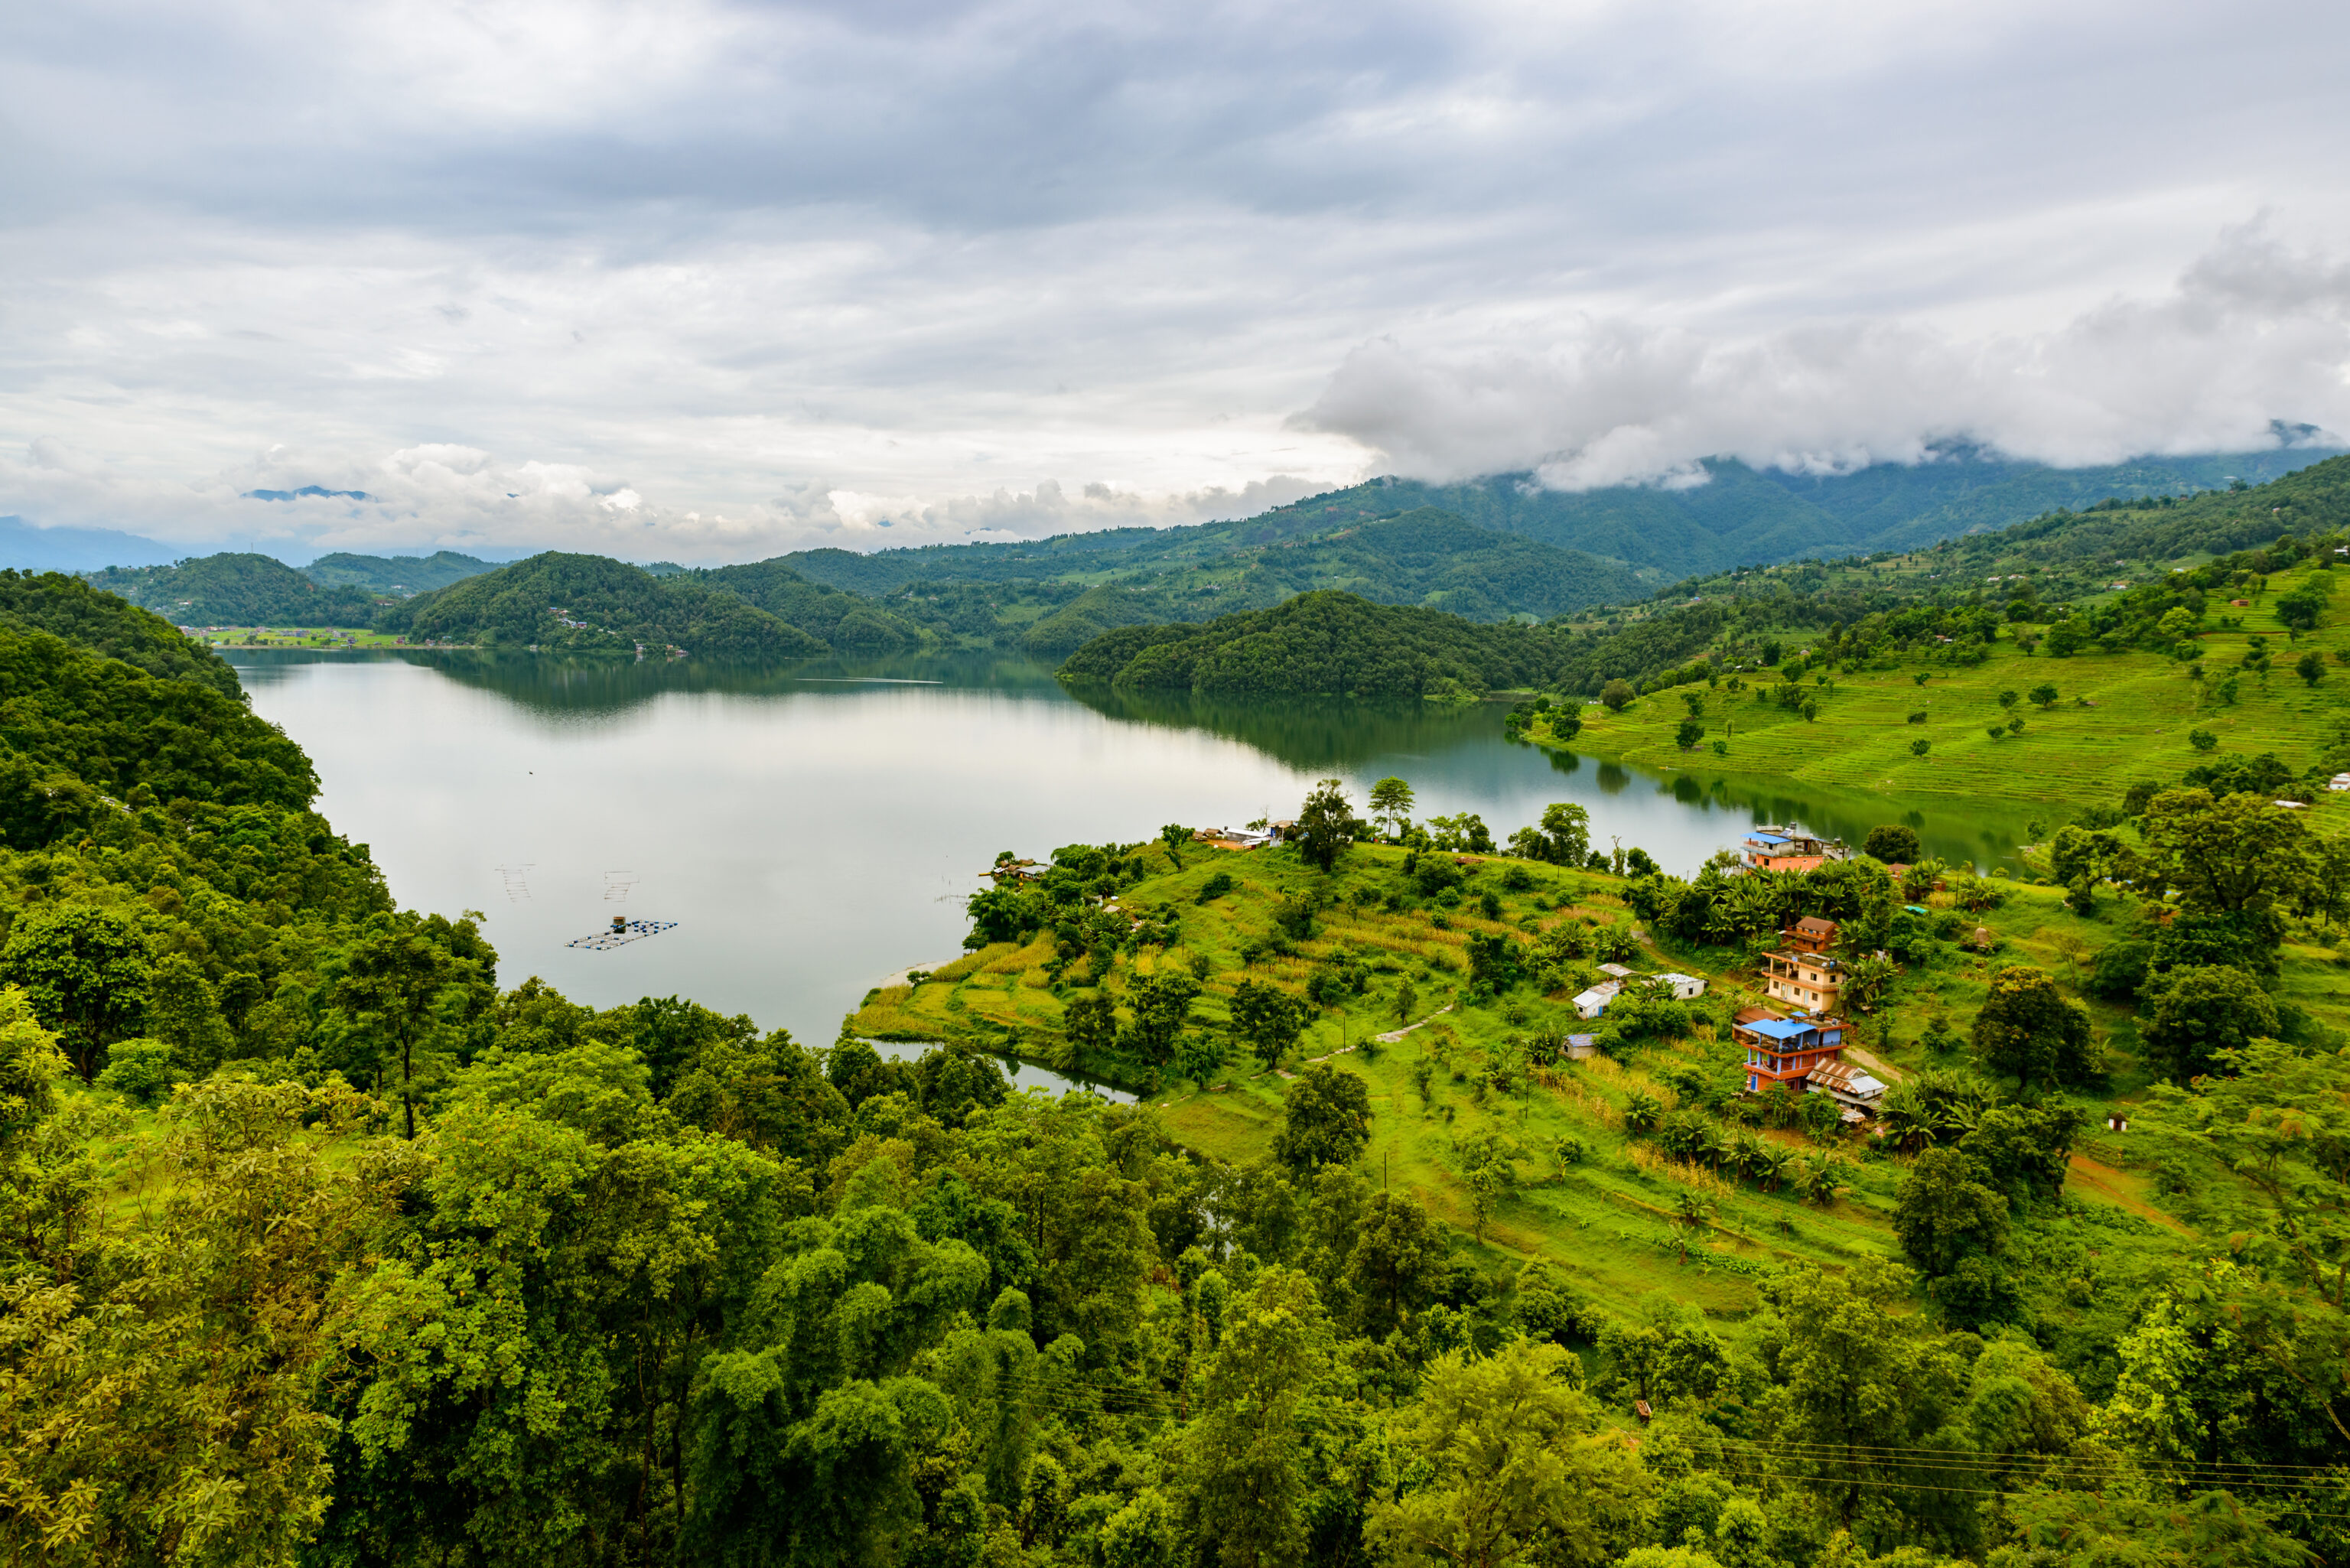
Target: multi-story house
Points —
{"points": [[1802, 972], [1785, 1050]]}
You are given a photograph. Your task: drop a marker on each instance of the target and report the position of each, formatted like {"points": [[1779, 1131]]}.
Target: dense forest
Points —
{"points": [[322, 1240], [394, 575], [590, 603], [1321, 643], [237, 590]]}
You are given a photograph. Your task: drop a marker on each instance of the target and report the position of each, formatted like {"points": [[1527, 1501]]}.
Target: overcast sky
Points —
{"points": [[709, 281]]}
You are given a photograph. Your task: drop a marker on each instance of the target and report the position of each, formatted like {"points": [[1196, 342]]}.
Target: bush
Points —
{"points": [[140, 1069], [2202, 740], [1616, 694], [1216, 886]]}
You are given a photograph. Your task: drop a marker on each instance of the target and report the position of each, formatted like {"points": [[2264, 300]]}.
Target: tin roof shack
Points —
{"points": [[1786, 1051], [1686, 987], [1591, 1004], [1801, 973], [1859, 1093], [1785, 849]]}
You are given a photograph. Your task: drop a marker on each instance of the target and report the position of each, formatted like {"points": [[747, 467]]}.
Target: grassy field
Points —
{"points": [[2118, 718], [299, 637], [1606, 1218]]}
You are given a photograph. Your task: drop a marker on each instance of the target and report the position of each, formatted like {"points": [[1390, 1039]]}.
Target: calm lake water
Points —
{"points": [[816, 828]]}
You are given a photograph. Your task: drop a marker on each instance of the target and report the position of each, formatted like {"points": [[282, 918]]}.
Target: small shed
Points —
{"points": [[2116, 1122], [1593, 1003], [1618, 970], [1686, 987], [2338, 781], [1579, 1048]]}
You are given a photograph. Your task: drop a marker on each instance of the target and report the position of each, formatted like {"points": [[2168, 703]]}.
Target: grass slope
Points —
{"points": [[1607, 1218], [2073, 755]]}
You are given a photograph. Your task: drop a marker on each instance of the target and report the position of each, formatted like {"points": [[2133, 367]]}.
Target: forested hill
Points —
{"points": [[1322, 644], [846, 622], [103, 623], [394, 575], [1739, 516], [591, 604], [236, 589]]}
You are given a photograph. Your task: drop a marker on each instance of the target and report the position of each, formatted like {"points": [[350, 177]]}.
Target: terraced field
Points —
{"points": [[1609, 1210]]}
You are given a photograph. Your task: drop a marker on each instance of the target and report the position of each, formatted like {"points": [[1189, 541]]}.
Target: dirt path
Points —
{"points": [[1875, 1064], [1392, 1035]]}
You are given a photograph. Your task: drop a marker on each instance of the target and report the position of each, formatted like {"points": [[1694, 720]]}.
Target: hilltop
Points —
{"points": [[402, 576], [69, 608], [845, 622], [589, 604], [236, 589], [1322, 643]]}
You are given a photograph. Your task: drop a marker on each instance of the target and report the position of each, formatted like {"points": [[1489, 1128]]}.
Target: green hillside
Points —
{"points": [[845, 622], [394, 575], [237, 590], [1321, 643], [589, 604], [69, 608]]}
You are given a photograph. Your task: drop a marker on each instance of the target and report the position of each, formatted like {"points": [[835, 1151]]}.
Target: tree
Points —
{"points": [[1269, 1019], [183, 1013], [1326, 824], [2194, 1012], [2007, 700], [84, 970], [1162, 1005], [1919, 748], [1174, 836], [1949, 1214], [2027, 1029], [2202, 740], [1397, 1263], [2044, 695], [1089, 1023], [1242, 1451], [1325, 1119], [1509, 1466], [2310, 667], [2235, 853], [1689, 732], [1893, 843], [1488, 1169], [1616, 694], [1392, 802], [390, 978]]}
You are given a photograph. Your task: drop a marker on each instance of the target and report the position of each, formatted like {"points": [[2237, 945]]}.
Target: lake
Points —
{"points": [[816, 828]]}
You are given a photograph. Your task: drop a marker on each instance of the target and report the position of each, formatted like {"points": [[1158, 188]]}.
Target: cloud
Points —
{"points": [[2254, 333], [784, 270]]}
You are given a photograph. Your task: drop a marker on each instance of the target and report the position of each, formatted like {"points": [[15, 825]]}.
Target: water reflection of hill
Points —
{"points": [[1307, 734], [551, 686]]}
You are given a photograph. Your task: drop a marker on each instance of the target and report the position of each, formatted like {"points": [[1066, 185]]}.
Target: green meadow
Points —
{"points": [[2118, 717]]}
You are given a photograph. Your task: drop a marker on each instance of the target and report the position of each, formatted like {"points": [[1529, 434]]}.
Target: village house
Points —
{"points": [[1785, 1050], [1856, 1090], [1785, 849], [1591, 1004], [1801, 973]]}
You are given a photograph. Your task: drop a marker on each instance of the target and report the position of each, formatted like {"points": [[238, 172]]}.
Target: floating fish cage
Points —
{"points": [[622, 933]]}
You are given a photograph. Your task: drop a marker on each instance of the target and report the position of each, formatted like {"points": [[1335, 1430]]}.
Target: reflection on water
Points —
{"points": [[815, 825]]}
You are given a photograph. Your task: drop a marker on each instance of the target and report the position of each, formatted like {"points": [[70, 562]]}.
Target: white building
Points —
{"points": [[1593, 1003], [1686, 987]]}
